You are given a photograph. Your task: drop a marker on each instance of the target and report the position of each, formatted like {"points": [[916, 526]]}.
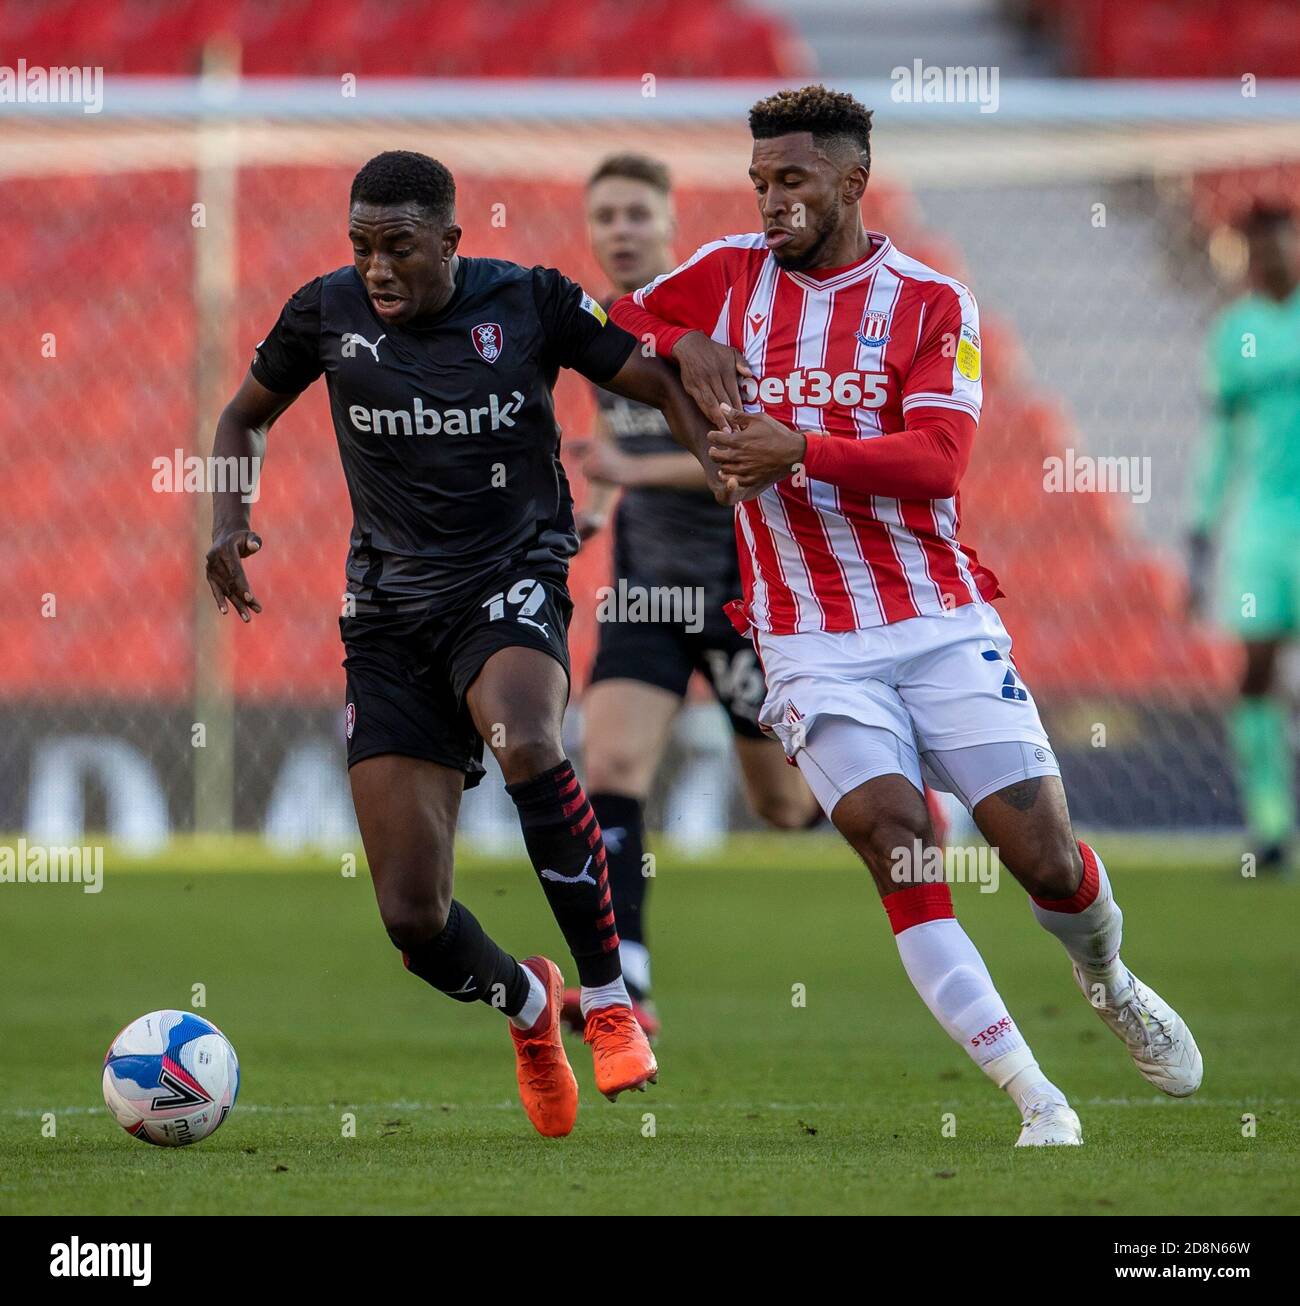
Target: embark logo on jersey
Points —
{"points": [[874, 329], [488, 340], [968, 354], [420, 420], [816, 388]]}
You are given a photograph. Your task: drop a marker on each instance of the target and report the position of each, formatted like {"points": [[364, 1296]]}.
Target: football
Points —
{"points": [[170, 1078]]}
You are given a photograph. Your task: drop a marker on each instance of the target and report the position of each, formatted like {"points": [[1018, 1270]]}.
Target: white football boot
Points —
{"points": [[1050, 1124], [1157, 1038]]}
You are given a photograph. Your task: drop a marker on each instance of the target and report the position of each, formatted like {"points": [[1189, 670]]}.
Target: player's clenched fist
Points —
{"points": [[226, 571], [710, 373], [755, 452]]}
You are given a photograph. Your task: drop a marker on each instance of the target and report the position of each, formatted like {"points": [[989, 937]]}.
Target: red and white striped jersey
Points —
{"points": [[878, 347]]}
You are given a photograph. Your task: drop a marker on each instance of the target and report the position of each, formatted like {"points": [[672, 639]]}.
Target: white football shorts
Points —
{"points": [[936, 699]]}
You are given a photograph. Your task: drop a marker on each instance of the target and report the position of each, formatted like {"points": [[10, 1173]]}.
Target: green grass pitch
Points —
{"points": [[834, 1106]]}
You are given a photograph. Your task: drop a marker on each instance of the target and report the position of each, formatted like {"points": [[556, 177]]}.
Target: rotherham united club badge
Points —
{"points": [[487, 340], [350, 719]]}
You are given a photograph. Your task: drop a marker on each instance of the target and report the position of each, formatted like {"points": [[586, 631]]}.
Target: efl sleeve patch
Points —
{"points": [[968, 354], [589, 305]]}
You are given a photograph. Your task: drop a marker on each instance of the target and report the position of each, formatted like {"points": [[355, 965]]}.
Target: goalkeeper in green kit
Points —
{"points": [[1248, 493]]}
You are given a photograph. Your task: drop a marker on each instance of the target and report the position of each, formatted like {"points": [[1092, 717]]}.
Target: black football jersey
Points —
{"points": [[666, 535], [447, 430]]}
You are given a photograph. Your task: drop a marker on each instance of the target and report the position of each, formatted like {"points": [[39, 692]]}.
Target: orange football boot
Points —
{"points": [[547, 1087], [620, 1051], [574, 1020]]}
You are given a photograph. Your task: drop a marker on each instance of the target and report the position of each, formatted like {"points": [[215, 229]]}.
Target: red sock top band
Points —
{"points": [[1085, 895], [917, 904]]}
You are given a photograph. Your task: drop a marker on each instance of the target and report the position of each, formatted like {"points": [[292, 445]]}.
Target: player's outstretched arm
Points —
{"points": [[608, 467], [651, 381], [710, 371], [241, 435]]}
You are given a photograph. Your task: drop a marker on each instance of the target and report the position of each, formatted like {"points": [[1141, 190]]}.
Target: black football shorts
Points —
{"points": [[665, 654], [408, 672]]}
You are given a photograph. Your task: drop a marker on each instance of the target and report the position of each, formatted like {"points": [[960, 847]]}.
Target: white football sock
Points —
{"points": [[1018, 1074], [1092, 935], [634, 958], [534, 1004], [613, 994], [954, 983]]}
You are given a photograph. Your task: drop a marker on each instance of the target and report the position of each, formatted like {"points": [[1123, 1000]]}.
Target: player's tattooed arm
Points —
{"points": [[241, 436], [651, 381]]}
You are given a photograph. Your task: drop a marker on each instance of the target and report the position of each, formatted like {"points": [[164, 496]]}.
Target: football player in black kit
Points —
{"points": [[440, 370], [669, 531]]}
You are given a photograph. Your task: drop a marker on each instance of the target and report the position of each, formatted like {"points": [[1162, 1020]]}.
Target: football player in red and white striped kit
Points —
{"points": [[844, 381]]}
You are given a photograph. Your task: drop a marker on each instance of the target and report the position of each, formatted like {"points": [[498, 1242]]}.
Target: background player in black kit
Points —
{"points": [[668, 531], [440, 370]]}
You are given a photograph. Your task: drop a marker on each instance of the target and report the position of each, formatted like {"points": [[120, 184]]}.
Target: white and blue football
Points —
{"points": [[171, 1078]]}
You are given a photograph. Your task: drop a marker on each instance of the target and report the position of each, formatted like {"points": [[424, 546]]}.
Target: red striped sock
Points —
{"points": [[568, 853]]}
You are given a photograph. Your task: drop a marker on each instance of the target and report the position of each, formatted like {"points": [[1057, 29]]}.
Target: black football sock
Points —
{"points": [[622, 825], [563, 840], [465, 964]]}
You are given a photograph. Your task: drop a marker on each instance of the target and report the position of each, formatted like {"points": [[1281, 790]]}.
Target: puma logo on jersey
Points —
{"points": [[814, 387], [581, 878], [420, 420], [351, 340]]}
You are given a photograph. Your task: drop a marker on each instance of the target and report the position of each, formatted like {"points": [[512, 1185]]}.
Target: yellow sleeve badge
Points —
{"points": [[968, 354]]}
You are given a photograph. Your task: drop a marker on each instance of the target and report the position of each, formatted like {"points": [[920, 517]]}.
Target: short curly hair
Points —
{"points": [[405, 177], [831, 117]]}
